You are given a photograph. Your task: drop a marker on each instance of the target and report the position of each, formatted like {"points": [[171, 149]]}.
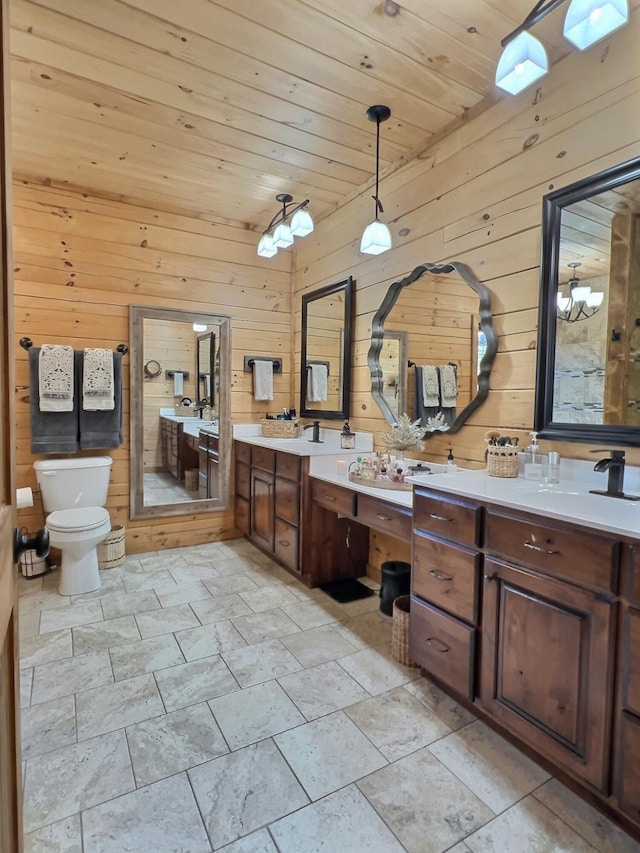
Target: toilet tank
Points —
{"points": [[70, 483]]}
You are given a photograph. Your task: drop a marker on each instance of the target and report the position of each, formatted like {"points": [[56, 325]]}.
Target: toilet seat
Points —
{"points": [[80, 520]]}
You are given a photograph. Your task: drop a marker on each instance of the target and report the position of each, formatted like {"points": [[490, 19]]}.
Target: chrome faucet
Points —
{"points": [[614, 464], [315, 438]]}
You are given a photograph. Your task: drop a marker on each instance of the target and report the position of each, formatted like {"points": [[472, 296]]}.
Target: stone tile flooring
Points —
{"points": [[203, 700]]}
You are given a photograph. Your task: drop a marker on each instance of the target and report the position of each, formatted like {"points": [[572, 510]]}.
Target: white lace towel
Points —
{"points": [[55, 375], [263, 379], [318, 379], [430, 386], [448, 386], [97, 381]]}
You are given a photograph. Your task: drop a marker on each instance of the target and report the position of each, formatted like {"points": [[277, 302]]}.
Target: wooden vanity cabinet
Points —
{"points": [[445, 588], [170, 437], [209, 465], [242, 470]]}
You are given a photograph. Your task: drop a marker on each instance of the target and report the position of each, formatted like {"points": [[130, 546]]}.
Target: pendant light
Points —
{"points": [[377, 237], [280, 232], [588, 21], [581, 303]]}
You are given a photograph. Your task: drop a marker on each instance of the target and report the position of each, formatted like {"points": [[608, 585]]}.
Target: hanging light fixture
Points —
{"points": [[581, 303], [280, 233], [524, 59], [377, 237]]}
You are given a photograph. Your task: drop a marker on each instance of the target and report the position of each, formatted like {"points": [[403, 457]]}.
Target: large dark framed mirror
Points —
{"points": [[432, 347], [325, 372], [205, 368], [180, 458], [588, 367]]}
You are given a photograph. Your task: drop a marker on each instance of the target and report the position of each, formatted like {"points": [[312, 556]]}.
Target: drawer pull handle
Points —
{"points": [[533, 547], [383, 517], [439, 576], [438, 645], [440, 517], [329, 498], [284, 543]]}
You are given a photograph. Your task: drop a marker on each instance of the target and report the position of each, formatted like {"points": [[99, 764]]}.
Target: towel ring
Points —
{"points": [[152, 369]]}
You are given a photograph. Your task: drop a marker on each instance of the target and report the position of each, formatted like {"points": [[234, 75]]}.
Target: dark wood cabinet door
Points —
{"points": [[262, 506], [627, 777], [287, 501], [547, 666]]}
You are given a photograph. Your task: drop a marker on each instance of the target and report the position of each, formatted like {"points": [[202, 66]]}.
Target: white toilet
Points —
{"points": [[74, 492]]}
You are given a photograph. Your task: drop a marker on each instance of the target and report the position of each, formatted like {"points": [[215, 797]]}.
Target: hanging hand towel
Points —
{"points": [[430, 386], [317, 382], [55, 375], [102, 430], [97, 381], [178, 384], [263, 379], [448, 386], [51, 432]]}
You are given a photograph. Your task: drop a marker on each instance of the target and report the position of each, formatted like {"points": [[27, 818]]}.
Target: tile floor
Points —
{"points": [[205, 700], [163, 488]]}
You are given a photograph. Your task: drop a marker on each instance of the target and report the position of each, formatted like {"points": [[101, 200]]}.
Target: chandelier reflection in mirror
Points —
{"points": [[581, 303], [294, 220]]}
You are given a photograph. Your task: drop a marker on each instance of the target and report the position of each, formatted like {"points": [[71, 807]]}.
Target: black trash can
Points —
{"points": [[396, 580]]}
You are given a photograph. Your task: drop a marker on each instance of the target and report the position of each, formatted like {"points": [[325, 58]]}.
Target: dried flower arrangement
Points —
{"points": [[436, 423], [406, 435]]}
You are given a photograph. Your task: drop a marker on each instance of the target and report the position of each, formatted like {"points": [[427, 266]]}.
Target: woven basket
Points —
{"points": [[502, 461], [186, 411], [400, 630], [273, 428], [111, 550]]}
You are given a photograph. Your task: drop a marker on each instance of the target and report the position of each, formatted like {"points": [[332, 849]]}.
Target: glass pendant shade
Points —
{"points": [[588, 21], [301, 223], [580, 294], [199, 327], [523, 61], [563, 302], [376, 238], [594, 300], [266, 248], [282, 236]]}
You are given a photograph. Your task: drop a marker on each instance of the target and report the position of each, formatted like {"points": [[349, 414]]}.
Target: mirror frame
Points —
{"points": [[346, 286], [486, 325], [552, 206], [201, 373], [137, 508]]}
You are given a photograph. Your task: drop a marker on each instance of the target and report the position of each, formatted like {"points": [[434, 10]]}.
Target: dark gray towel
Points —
{"points": [[51, 432], [420, 411], [102, 430]]}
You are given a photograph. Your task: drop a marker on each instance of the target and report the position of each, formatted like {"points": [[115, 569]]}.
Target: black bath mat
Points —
{"points": [[345, 590]]}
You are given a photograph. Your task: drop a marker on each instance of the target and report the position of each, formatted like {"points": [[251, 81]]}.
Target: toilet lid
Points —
{"points": [[82, 518]]}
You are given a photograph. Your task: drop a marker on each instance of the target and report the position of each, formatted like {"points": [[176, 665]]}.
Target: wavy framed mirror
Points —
{"points": [[325, 371], [588, 365], [440, 315], [180, 462]]}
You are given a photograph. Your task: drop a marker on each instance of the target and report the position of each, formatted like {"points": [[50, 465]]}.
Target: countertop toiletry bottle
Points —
{"points": [[533, 459], [451, 466], [553, 475], [347, 438]]}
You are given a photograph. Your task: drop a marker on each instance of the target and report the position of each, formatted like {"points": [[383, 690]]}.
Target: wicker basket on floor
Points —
{"points": [[111, 550], [400, 630]]}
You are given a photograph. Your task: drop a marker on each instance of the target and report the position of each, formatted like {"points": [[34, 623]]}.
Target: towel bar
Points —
{"points": [[249, 361], [27, 343]]}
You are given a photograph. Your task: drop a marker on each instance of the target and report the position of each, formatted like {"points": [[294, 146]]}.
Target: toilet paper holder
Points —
{"points": [[22, 543]]}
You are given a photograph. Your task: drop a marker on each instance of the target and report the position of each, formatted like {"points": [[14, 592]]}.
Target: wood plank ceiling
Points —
{"points": [[211, 107]]}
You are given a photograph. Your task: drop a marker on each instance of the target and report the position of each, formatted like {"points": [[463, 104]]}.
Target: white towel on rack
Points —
{"points": [[56, 375], [318, 381], [178, 384], [448, 386], [430, 386], [262, 379], [97, 381]]}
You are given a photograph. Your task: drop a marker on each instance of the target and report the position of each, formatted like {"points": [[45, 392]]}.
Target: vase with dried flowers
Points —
{"points": [[405, 435]]}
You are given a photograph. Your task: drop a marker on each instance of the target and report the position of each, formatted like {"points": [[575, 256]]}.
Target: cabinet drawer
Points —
{"points": [[389, 518], [263, 457], [286, 544], [442, 646], [631, 661], [442, 516], [242, 514], [243, 480], [287, 500], [446, 576], [191, 441], [334, 497], [243, 452], [288, 465], [627, 777], [565, 552]]}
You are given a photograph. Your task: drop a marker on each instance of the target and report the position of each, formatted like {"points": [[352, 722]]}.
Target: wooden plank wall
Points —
{"points": [[475, 197], [80, 261]]}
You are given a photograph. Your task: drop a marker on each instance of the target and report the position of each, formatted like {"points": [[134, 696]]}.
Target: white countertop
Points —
{"points": [[191, 426], [303, 446]]}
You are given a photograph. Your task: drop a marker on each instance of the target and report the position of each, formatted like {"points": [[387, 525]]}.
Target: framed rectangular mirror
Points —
{"points": [[588, 367], [180, 461], [325, 380], [205, 368]]}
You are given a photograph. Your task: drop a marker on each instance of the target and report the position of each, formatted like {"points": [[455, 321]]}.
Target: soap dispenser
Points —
{"points": [[533, 459], [347, 438], [451, 466]]}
